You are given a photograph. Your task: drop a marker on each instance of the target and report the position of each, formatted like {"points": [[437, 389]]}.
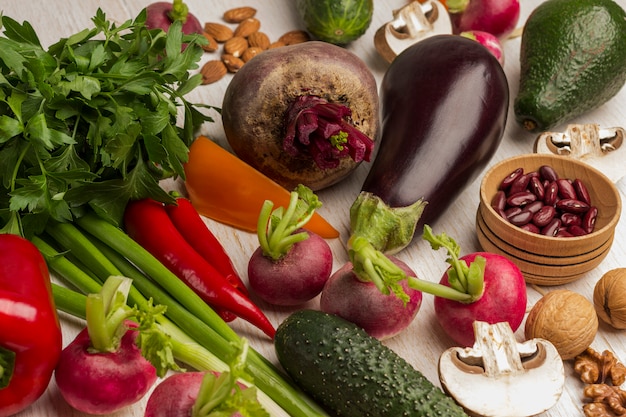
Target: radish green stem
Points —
{"points": [[276, 228], [105, 315], [468, 279]]}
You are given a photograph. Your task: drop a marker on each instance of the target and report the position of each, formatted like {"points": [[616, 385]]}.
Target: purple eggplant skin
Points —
{"points": [[444, 104]]}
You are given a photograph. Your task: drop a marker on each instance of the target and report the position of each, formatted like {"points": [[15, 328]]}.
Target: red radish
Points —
{"points": [[203, 394], [497, 285], [488, 40], [498, 17], [162, 14], [361, 302], [102, 370], [291, 264]]}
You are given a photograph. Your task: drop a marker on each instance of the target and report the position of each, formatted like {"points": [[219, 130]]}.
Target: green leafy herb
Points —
{"points": [[97, 119]]}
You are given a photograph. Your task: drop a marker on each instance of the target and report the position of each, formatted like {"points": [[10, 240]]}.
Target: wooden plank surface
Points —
{"points": [[422, 343]]}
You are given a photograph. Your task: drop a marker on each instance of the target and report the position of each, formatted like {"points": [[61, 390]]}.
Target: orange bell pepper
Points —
{"points": [[224, 188]]}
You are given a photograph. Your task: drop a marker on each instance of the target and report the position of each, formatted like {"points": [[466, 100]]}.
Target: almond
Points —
{"points": [[220, 32], [233, 64], [250, 53], [295, 36], [235, 46], [212, 45], [248, 26], [259, 40], [239, 14], [213, 71], [276, 44]]}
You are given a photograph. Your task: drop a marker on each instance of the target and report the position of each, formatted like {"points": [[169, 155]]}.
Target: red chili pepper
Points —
{"points": [[147, 223], [30, 341], [195, 231]]}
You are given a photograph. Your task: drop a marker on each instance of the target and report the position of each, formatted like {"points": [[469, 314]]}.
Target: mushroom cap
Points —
{"points": [[499, 377]]}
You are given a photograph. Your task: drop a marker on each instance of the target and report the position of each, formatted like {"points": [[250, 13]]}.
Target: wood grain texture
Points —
{"points": [[422, 343]]}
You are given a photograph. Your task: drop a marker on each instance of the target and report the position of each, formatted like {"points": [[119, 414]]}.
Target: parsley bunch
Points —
{"points": [[94, 121]]}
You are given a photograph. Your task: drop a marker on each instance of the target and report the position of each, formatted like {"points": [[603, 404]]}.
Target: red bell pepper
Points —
{"points": [[30, 341], [195, 231], [147, 222]]}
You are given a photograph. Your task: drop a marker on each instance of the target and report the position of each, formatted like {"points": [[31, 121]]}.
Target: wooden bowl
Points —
{"points": [[549, 260]]}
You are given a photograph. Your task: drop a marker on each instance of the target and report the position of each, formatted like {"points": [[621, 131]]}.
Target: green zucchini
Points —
{"points": [[353, 374]]}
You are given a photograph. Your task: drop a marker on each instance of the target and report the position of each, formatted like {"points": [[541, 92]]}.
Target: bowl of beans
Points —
{"points": [[554, 216]]}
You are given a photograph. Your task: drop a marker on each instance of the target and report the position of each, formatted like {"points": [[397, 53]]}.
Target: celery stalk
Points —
{"points": [[190, 313]]}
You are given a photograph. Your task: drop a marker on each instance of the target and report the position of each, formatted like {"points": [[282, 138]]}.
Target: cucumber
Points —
{"points": [[353, 374], [336, 21]]}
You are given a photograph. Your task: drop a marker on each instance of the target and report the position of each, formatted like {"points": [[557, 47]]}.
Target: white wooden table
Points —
{"points": [[423, 342]]}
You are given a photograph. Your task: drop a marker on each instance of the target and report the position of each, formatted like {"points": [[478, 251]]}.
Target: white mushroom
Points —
{"points": [[411, 24], [499, 377], [600, 148]]}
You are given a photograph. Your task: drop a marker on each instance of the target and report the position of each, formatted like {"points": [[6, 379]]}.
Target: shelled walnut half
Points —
{"points": [[604, 375]]}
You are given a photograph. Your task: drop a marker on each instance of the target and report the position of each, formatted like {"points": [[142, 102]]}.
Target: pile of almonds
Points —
{"points": [[241, 40]]}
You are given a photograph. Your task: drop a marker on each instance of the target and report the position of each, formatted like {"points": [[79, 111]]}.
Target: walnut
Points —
{"points": [[606, 401], [596, 368], [603, 374], [565, 318]]}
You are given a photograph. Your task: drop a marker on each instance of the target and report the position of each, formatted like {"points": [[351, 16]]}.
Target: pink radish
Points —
{"points": [[498, 17], [102, 370], [488, 40], [361, 302], [162, 14], [291, 264], [497, 285], [201, 394]]}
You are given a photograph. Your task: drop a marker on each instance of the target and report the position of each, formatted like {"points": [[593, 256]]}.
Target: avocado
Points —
{"points": [[572, 60]]}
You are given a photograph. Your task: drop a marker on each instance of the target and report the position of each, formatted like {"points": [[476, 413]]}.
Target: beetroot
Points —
{"points": [[498, 17], [496, 284], [305, 113], [489, 41], [104, 369], [203, 394], [291, 264], [162, 14], [361, 302], [103, 382]]}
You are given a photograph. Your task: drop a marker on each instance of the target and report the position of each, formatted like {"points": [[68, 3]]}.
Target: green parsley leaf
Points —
{"points": [[93, 121]]}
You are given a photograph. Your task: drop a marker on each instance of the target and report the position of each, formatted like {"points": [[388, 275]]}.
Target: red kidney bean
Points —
{"points": [[548, 173], [521, 199], [576, 230], [534, 207], [536, 187], [550, 193], [544, 216], [530, 227], [542, 202], [566, 189], [562, 232], [589, 219], [582, 193], [570, 219], [512, 211], [521, 218], [571, 205], [509, 179], [552, 228], [498, 202], [520, 184]]}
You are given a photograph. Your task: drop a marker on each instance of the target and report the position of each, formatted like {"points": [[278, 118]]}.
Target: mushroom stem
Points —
{"points": [[499, 377]]}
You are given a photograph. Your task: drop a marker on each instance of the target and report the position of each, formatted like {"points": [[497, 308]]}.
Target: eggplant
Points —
{"points": [[444, 105]]}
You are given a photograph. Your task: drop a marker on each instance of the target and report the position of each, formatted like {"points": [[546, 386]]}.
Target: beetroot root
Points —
{"points": [[381, 316], [260, 94]]}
